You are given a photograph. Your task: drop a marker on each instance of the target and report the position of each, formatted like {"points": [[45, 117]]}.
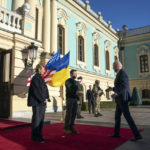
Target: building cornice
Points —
{"points": [[95, 20], [137, 37]]}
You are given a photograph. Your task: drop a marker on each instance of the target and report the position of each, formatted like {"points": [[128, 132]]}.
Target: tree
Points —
{"points": [[136, 98]]}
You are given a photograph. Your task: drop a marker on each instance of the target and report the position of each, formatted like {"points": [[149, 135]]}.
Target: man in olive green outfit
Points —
{"points": [[80, 92], [97, 93]]}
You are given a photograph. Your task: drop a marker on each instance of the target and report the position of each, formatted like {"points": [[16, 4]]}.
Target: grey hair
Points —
{"points": [[118, 63]]}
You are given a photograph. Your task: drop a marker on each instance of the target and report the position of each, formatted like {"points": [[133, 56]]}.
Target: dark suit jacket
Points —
{"points": [[122, 86], [38, 91], [71, 89], [89, 95]]}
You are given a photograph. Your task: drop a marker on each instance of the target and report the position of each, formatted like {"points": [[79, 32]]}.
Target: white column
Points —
{"points": [[40, 23], [6, 67], [32, 4], [53, 26], [46, 25], [3, 3], [17, 4]]}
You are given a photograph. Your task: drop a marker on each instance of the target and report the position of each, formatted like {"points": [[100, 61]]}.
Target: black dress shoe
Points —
{"points": [[136, 138], [41, 140], [67, 131], [115, 136], [74, 131], [96, 115], [100, 114]]}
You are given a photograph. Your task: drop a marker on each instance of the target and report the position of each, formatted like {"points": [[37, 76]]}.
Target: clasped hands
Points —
{"points": [[113, 96], [46, 100]]}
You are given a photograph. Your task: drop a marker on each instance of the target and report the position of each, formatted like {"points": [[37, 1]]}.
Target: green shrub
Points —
{"points": [[103, 105], [146, 102]]}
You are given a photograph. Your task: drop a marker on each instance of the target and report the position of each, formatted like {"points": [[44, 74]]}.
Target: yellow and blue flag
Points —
{"points": [[60, 69]]}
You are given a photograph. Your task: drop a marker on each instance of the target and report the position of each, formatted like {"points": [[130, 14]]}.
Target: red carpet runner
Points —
{"points": [[89, 138], [5, 124]]}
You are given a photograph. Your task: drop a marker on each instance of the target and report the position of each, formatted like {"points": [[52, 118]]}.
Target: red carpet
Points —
{"points": [[5, 124], [89, 138]]}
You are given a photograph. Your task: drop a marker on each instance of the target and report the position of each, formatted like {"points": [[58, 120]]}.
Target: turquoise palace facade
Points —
{"points": [[136, 58], [68, 25]]}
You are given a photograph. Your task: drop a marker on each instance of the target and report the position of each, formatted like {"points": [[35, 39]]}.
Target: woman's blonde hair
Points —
{"points": [[38, 67]]}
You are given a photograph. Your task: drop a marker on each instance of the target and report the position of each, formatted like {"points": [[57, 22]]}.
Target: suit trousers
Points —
{"points": [[71, 111], [122, 107], [91, 103], [37, 121]]}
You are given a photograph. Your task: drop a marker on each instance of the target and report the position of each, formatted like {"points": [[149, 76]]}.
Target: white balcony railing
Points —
{"points": [[10, 20]]}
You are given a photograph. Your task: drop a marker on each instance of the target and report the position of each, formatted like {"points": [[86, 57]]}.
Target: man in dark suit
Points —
{"points": [[72, 100], [122, 95], [90, 99]]}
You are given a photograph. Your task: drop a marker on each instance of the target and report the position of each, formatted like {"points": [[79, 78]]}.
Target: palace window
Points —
{"points": [[96, 55], [144, 64], [61, 39], [145, 93], [107, 61], [81, 48]]}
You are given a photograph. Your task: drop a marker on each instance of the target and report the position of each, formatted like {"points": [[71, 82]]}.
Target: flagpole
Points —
{"points": [[61, 95]]}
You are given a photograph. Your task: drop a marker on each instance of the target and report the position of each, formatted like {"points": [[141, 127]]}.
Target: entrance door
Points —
{"points": [[5, 74]]}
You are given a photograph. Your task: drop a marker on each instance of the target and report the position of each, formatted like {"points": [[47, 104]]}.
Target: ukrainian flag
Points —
{"points": [[62, 71]]}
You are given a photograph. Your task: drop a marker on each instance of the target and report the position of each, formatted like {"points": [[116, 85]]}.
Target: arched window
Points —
{"points": [[107, 61], [61, 39], [144, 64], [81, 48], [96, 55]]}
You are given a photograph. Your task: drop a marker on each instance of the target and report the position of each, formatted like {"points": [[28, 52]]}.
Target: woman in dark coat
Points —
{"points": [[38, 96]]}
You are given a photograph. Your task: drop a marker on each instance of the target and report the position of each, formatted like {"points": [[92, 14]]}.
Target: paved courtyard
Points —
{"points": [[140, 114]]}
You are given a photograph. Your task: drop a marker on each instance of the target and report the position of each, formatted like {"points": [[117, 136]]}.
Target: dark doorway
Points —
{"points": [[5, 76]]}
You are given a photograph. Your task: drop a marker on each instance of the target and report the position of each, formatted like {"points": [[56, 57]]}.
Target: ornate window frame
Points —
{"points": [[96, 41], [81, 31], [116, 52], [60, 27], [143, 50], [61, 21], [107, 47]]}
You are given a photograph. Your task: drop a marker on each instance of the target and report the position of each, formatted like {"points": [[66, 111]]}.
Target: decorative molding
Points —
{"points": [[61, 20], [81, 31], [107, 43], [96, 35], [62, 13], [116, 52], [143, 47], [96, 68], [81, 26], [96, 41]]}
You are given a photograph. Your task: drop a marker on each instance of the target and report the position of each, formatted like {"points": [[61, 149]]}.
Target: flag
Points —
{"points": [[47, 73], [29, 80], [61, 71]]}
